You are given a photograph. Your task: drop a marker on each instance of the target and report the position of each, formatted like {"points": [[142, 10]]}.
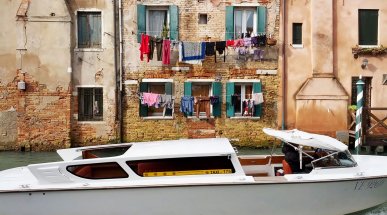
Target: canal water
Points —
{"points": [[16, 159]]}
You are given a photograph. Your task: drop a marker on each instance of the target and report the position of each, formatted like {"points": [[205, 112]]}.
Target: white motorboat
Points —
{"points": [[197, 176]]}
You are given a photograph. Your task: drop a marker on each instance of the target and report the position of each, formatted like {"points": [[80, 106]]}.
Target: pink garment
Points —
{"points": [[144, 47], [166, 52], [150, 99]]}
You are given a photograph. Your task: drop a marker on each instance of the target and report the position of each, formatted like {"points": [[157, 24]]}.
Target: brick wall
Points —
{"points": [[244, 132]]}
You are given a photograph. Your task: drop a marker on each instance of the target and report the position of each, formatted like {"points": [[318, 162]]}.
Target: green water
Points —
{"points": [[16, 159]]}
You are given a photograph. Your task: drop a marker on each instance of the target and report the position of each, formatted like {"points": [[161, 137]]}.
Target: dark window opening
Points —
{"points": [[368, 27], [98, 171], [203, 19], [182, 166], [104, 152], [90, 104], [297, 33], [89, 29]]}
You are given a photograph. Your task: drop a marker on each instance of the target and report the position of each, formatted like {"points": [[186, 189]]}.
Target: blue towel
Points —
{"points": [[193, 51]]}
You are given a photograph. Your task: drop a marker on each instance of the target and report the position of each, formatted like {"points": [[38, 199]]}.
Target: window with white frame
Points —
{"points": [[89, 29], [368, 27], [157, 21], [90, 104], [244, 98], [207, 97], [163, 91], [245, 21]]}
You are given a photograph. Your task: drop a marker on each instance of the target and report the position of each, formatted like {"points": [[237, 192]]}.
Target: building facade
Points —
{"points": [[222, 75], [57, 74], [328, 45]]}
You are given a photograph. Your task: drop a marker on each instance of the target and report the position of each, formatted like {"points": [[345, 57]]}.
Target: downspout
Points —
{"points": [[121, 67], [118, 67], [284, 69]]}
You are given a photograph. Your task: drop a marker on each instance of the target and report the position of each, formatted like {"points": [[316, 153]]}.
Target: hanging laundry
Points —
{"points": [[247, 41], [166, 101], [258, 98], [221, 48], [193, 51], [210, 48], [187, 104], [214, 100], [166, 52], [144, 47], [151, 99], [203, 101], [229, 43], [254, 41]]}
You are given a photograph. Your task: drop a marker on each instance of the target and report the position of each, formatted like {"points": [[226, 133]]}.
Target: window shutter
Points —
{"points": [[230, 87], [82, 30], [95, 31], [261, 13], [217, 91], [229, 23], [368, 27], [257, 88], [174, 22], [188, 90], [143, 108], [168, 91], [141, 21]]}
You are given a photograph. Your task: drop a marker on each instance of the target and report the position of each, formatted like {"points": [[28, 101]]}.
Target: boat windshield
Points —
{"points": [[333, 159], [104, 152]]}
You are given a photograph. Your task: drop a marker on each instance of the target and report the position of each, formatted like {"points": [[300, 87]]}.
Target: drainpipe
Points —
{"points": [[118, 60], [284, 69]]}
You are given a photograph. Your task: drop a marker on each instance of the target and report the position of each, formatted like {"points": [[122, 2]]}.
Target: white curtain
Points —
{"points": [[157, 19]]}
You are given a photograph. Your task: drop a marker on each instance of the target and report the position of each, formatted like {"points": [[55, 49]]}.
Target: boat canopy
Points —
{"points": [[307, 139]]}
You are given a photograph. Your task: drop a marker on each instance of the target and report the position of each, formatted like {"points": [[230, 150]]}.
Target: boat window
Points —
{"points": [[335, 159], [104, 152], [98, 171], [182, 166]]}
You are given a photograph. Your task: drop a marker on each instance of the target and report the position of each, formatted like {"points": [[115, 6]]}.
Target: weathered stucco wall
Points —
{"points": [[35, 48], [327, 54], [242, 131], [95, 68]]}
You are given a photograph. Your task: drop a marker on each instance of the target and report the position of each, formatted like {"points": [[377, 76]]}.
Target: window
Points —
{"points": [[204, 92], [89, 29], [245, 20], [297, 33], [90, 104], [241, 98], [203, 19], [182, 166], [108, 151], [160, 21], [368, 27], [163, 88], [98, 171]]}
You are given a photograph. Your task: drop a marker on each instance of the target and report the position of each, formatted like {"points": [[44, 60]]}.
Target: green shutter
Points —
{"points": [[141, 21], [82, 30], [143, 109], [217, 91], [261, 28], [174, 22], [368, 27], [229, 23], [168, 91], [257, 88], [188, 90], [230, 87]]}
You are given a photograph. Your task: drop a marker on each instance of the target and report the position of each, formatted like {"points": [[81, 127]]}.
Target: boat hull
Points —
{"points": [[302, 198]]}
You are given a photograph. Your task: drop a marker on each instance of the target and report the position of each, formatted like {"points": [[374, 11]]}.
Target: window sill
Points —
{"points": [[91, 122], [297, 46], [246, 117], [89, 50], [369, 46], [200, 117], [157, 117]]}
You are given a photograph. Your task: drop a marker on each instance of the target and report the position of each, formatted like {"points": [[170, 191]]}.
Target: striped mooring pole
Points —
{"points": [[359, 111]]}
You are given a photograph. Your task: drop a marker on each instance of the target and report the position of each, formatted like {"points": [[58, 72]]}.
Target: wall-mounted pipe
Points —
{"points": [[284, 69]]}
